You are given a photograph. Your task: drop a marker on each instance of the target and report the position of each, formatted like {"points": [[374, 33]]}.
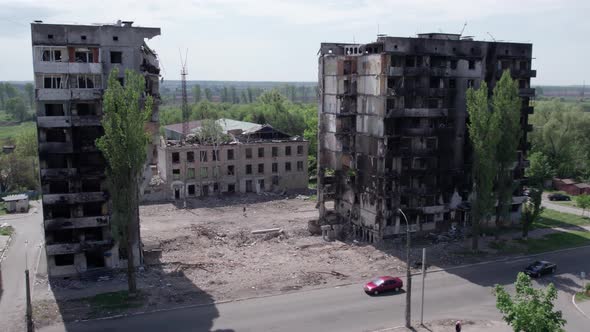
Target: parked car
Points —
{"points": [[383, 284], [539, 268], [559, 197]]}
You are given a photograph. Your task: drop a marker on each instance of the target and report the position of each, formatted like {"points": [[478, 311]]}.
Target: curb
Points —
{"points": [[6, 247], [578, 308], [314, 289]]}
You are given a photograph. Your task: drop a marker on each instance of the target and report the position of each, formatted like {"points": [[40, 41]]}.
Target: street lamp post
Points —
{"points": [[408, 274]]}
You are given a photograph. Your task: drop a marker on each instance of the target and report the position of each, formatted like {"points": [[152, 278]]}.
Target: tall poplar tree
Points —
{"points": [[506, 105], [124, 146], [484, 135]]}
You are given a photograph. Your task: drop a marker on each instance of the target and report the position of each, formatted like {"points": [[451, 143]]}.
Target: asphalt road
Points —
{"points": [[461, 293], [24, 248], [562, 208]]}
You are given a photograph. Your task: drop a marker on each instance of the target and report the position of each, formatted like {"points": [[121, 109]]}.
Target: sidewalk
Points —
{"points": [[584, 306], [449, 325]]}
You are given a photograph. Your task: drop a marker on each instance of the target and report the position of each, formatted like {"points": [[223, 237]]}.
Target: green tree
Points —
{"points": [[484, 134], [250, 95], [124, 146], [197, 93], [233, 95], [16, 108], [539, 170], [225, 95], [506, 106], [2, 95], [17, 173], [531, 209], [30, 93], [208, 94], [26, 142], [530, 310], [583, 202]]}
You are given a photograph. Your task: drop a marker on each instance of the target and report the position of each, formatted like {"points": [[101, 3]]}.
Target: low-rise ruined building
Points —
{"points": [[250, 158], [393, 129], [71, 65]]}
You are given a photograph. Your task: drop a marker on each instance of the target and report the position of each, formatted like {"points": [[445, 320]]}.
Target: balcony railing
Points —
{"points": [[79, 222], [75, 198]]}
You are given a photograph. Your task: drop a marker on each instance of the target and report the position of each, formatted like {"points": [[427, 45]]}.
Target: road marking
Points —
{"points": [[578, 308]]}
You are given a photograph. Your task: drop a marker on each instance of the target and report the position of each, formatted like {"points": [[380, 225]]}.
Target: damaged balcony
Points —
{"points": [[79, 222], [67, 121], [75, 198], [58, 173], [68, 67], [56, 147], [74, 248], [526, 92]]}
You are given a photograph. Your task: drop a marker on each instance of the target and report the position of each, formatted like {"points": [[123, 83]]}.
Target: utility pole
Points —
{"points": [[423, 279], [29, 314], [408, 274]]}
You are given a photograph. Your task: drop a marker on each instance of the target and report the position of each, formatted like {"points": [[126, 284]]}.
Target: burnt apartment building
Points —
{"points": [[252, 158], [71, 65], [393, 129]]}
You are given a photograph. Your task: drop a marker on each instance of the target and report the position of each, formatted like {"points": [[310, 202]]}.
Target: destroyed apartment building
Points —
{"points": [[248, 157], [393, 129], [72, 64]]}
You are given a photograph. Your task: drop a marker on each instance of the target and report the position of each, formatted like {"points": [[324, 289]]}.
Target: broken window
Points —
{"points": [[92, 209], [438, 62], [275, 167], [203, 156], [55, 135], [51, 55], [190, 173], [57, 161], [410, 61], [58, 187], [248, 169], [260, 152], [85, 82], [287, 150], [53, 82], [248, 153], [86, 109], [522, 84], [396, 61], [275, 151], [231, 188], [83, 55], [287, 167], [230, 169], [176, 174], [523, 65], [191, 190], [116, 57], [260, 168], [435, 83], [91, 186], [230, 154], [204, 172], [471, 64], [175, 157], [54, 110], [299, 150], [94, 259], [300, 166], [190, 156], [64, 260]]}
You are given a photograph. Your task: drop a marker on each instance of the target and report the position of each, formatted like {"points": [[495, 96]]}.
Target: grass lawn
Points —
{"points": [[113, 302], [565, 203], [581, 296], [550, 218], [2, 208], [555, 241], [11, 131], [6, 231]]}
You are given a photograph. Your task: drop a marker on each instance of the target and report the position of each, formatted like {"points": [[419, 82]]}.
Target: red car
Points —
{"points": [[383, 284]]}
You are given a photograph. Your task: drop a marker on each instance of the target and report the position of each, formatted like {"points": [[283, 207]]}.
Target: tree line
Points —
{"points": [[18, 104]]}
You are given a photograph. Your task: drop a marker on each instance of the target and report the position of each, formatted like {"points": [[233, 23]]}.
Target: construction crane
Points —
{"points": [[185, 109]]}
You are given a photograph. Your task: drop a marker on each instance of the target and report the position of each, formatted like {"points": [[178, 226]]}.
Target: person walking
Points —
{"points": [[458, 326]]}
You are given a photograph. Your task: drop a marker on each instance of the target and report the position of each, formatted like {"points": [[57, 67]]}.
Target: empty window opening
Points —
{"points": [[85, 82], [287, 150], [58, 187], [64, 236], [522, 84], [93, 234], [49, 36], [116, 57], [204, 172], [176, 174], [275, 167], [248, 153], [249, 186], [115, 38], [299, 150], [91, 186], [470, 83], [86, 109], [396, 61], [83, 55], [287, 167], [205, 190], [471, 64], [453, 64], [55, 135], [230, 154], [231, 188], [261, 184], [51, 55], [260, 152], [191, 190], [452, 83], [83, 37], [300, 166], [94, 259], [175, 157], [203, 156], [56, 161], [92, 209], [121, 81], [230, 170], [64, 260], [248, 169], [436, 82], [275, 151], [190, 156], [52, 82], [54, 110], [410, 61], [260, 168], [275, 180], [214, 155]]}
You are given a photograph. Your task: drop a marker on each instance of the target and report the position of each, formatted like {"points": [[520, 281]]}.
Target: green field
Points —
{"points": [[7, 132]]}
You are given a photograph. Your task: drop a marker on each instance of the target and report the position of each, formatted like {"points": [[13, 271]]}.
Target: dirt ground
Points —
{"points": [[206, 252]]}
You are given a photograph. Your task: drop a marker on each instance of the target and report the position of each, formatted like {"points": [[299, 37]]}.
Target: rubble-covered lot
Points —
{"points": [[206, 252]]}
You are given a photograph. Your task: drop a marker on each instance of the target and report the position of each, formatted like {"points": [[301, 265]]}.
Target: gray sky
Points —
{"points": [[278, 40]]}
